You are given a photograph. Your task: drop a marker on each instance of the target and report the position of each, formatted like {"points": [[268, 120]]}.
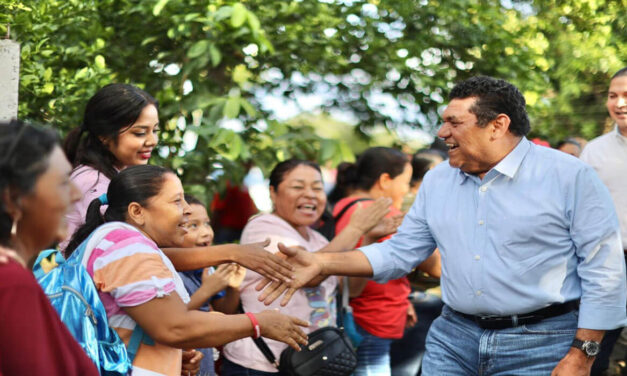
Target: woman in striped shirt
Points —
{"points": [[138, 284]]}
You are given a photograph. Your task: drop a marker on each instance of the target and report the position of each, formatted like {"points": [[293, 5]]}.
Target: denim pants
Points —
{"points": [[458, 346], [373, 355]]}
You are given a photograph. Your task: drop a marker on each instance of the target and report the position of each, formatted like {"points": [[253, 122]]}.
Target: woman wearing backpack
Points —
{"points": [[35, 194], [138, 284], [120, 129], [381, 311]]}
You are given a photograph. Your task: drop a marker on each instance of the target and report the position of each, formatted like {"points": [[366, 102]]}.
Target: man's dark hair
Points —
{"points": [[494, 97], [621, 72]]}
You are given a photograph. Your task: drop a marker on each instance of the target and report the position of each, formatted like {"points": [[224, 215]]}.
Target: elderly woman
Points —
{"points": [[35, 196], [296, 190]]}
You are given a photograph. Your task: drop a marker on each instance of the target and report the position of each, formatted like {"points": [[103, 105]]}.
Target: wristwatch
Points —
{"points": [[590, 348]]}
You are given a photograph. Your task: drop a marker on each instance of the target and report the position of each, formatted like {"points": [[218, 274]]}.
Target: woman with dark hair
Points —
{"points": [[381, 311], [120, 129], [35, 195], [138, 284], [297, 194]]}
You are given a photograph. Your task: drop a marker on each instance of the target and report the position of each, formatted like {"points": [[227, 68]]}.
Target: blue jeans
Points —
{"points": [[373, 355], [458, 346]]}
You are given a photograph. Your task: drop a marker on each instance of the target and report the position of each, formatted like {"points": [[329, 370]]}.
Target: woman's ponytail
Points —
{"points": [[93, 219]]}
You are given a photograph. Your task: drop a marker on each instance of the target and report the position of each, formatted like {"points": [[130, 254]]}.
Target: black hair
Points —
{"points": [[571, 141], [109, 112], [494, 97], [621, 72], [192, 200], [364, 173], [420, 166], [133, 184], [24, 156], [282, 168]]}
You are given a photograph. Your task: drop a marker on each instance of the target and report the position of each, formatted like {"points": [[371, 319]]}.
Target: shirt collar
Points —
{"points": [[619, 135], [509, 165]]}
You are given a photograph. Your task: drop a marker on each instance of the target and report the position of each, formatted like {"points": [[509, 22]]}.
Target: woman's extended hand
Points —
{"points": [[282, 328], [255, 257], [306, 269], [385, 227], [365, 218]]}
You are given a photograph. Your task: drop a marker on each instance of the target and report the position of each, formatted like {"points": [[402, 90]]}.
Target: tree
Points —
{"points": [[388, 62]]}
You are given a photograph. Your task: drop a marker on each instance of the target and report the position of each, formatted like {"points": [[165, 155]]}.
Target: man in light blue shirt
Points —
{"points": [[532, 261]]}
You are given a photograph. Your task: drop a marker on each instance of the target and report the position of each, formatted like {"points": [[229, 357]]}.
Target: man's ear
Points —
{"points": [[500, 126], [135, 213]]}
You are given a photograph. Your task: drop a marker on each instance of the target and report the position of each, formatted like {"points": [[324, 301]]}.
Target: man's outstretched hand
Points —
{"points": [[307, 268]]}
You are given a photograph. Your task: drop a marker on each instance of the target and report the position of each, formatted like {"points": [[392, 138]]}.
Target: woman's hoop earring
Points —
{"points": [[14, 228]]}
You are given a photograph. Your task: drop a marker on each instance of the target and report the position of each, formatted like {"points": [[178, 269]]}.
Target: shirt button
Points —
{"points": [[477, 257], [481, 222], [483, 188], [478, 292]]}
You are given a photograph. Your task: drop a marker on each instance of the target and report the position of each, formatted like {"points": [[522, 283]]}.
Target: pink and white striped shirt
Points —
{"points": [[129, 270]]}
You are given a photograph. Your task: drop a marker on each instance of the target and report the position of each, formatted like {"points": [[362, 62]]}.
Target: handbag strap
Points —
{"points": [[262, 345], [348, 206]]}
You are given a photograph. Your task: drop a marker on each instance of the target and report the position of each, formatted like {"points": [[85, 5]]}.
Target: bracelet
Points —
{"points": [[255, 323]]}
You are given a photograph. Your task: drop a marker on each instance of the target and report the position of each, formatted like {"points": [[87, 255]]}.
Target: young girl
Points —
{"points": [[120, 129], [219, 286], [138, 284]]}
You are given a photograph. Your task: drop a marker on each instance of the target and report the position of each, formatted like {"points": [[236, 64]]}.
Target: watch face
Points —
{"points": [[591, 348]]}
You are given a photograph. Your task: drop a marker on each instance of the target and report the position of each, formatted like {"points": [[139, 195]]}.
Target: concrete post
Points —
{"points": [[9, 78]]}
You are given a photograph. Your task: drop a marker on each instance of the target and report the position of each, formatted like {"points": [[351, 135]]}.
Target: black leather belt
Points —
{"points": [[503, 322]]}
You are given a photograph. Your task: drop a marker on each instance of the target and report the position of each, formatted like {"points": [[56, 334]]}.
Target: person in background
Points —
{"points": [[381, 310], [570, 146], [210, 288], [137, 283], [421, 162], [120, 129], [607, 154], [35, 195], [533, 272], [296, 191]]}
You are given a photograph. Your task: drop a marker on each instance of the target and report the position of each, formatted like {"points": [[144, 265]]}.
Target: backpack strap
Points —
{"points": [[348, 206], [47, 260], [136, 340]]}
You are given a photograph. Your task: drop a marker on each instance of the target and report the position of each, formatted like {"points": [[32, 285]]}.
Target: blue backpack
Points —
{"points": [[73, 294]]}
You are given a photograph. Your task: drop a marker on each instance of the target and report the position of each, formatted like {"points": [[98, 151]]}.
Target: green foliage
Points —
{"points": [[208, 60]]}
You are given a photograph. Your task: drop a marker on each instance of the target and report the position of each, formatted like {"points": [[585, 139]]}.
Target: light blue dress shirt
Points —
{"points": [[540, 228]]}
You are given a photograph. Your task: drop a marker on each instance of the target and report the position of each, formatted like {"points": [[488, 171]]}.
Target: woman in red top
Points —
{"points": [[35, 195], [381, 311]]}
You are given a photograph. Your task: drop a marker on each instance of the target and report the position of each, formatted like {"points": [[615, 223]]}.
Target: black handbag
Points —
{"points": [[328, 353]]}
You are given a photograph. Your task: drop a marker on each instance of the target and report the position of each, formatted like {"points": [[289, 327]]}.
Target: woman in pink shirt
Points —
{"points": [[138, 284], [120, 129]]}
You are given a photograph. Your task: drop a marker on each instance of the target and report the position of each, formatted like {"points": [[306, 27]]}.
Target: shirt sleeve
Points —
{"points": [[595, 232], [130, 268], [33, 340], [411, 245]]}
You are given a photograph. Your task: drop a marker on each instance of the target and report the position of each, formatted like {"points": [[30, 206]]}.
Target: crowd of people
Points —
{"points": [[528, 242]]}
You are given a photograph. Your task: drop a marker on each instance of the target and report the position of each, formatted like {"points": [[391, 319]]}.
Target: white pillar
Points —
{"points": [[9, 78]]}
